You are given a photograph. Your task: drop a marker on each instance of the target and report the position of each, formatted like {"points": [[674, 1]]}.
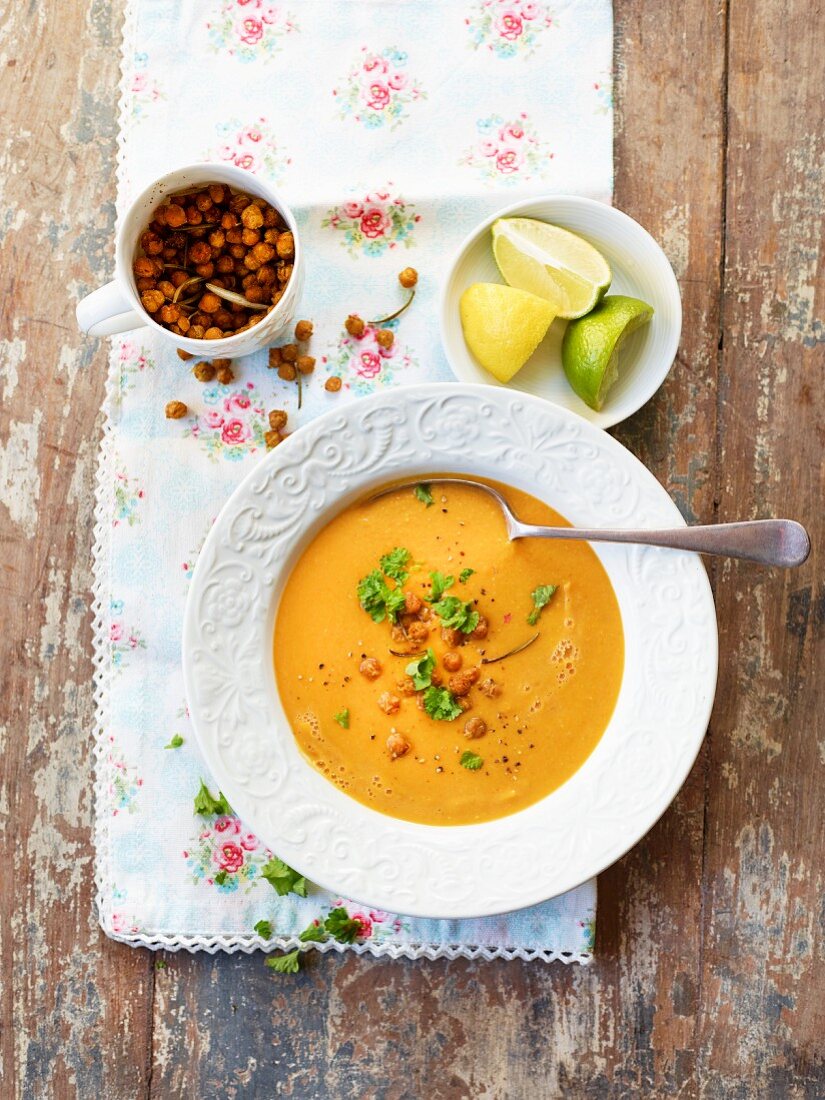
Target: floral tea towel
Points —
{"points": [[391, 128]]}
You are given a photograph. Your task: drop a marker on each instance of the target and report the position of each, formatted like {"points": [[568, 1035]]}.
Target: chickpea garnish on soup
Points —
{"points": [[213, 262], [476, 674]]}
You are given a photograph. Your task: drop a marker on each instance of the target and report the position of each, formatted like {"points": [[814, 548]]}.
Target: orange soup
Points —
{"points": [[438, 672]]}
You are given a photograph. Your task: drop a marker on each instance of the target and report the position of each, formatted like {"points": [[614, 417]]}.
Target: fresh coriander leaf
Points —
{"points": [[394, 564], [341, 926], [175, 743], [441, 704], [421, 670], [285, 964], [424, 494], [541, 598], [378, 599], [342, 718], [471, 760], [161, 964], [221, 878], [465, 575], [264, 929], [313, 933], [283, 878], [440, 586], [456, 614], [205, 804]]}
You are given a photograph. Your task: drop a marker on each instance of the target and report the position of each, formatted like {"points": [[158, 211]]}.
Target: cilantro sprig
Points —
{"points": [[465, 575], [421, 670], [471, 761], [206, 804], [541, 598], [424, 494], [342, 718], [456, 614], [283, 878], [441, 704], [394, 564], [175, 743], [285, 964], [440, 584], [264, 929], [378, 599]]}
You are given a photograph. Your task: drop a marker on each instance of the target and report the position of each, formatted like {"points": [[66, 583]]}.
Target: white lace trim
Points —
{"points": [[103, 675]]}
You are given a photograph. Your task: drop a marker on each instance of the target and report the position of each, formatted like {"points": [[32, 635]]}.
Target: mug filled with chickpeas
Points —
{"points": [[210, 256]]}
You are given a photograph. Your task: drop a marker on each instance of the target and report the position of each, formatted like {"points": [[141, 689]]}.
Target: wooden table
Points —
{"points": [[708, 971]]}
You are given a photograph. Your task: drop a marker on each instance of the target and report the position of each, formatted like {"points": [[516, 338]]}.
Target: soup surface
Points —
{"points": [[387, 647]]}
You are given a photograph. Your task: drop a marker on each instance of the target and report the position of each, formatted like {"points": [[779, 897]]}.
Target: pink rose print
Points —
{"points": [[249, 29], [250, 146], [373, 225], [507, 150], [229, 856], [236, 431], [116, 632], [133, 362], [508, 24], [366, 925], [363, 364], [227, 825], [377, 91], [249, 842], [508, 28], [144, 91]]}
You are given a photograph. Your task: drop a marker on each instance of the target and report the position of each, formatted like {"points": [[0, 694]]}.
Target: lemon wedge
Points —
{"points": [[503, 326]]}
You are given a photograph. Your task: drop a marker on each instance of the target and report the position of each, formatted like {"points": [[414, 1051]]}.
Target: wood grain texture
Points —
{"points": [[709, 948]]}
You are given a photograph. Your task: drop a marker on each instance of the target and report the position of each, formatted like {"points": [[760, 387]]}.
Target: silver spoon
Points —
{"points": [[767, 541]]}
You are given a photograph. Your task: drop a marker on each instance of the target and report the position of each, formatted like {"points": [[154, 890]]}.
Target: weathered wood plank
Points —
{"points": [[762, 1008], [75, 1013]]}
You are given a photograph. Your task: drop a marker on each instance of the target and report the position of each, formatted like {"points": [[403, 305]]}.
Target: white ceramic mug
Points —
{"points": [[116, 307]]}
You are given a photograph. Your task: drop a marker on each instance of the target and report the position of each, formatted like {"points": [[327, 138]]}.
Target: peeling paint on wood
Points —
{"points": [[707, 979]]}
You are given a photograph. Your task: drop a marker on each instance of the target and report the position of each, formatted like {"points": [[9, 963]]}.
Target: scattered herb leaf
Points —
{"points": [[378, 599], [424, 494], [283, 878], [441, 704], [465, 575], [264, 929], [394, 564], [541, 598], [285, 964], [175, 743], [456, 614], [313, 933], [421, 670], [471, 760], [205, 804], [342, 718], [161, 964], [440, 585], [341, 926]]}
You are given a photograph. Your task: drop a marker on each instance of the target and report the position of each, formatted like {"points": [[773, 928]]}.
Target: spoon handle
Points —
{"points": [[781, 542]]}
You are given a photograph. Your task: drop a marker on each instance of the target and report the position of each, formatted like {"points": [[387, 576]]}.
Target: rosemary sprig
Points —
{"points": [[512, 652]]}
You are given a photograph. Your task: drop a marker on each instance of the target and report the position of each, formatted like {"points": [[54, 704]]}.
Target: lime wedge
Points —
{"points": [[552, 263], [591, 345], [503, 326]]}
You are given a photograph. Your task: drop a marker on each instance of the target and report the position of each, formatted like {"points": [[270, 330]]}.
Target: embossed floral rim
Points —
{"points": [[461, 871]]}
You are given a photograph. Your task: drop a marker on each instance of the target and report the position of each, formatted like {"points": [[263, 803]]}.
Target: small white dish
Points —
{"points": [[619, 792], [640, 269]]}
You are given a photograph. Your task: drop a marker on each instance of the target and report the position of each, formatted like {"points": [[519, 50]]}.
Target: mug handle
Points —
{"points": [[105, 312]]}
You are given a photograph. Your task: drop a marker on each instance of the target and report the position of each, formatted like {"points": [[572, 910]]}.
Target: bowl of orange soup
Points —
{"points": [[413, 710]]}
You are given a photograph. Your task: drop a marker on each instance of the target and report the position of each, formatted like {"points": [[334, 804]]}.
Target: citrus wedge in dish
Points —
{"points": [[591, 345], [503, 326], [552, 263]]}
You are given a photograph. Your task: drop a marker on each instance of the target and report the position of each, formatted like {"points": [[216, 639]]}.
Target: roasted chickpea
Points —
{"points": [[405, 686], [460, 683], [333, 384], [250, 237], [277, 419], [412, 603], [354, 325], [174, 215], [288, 372], [397, 745], [175, 410], [169, 314], [152, 300], [489, 688], [475, 727], [272, 439], [303, 331], [370, 667], [385, 337], [289, 353], [451, 660], [418, 632], [389, 703], [275, 357], [213, 333], [204, 372], [184, 355], [408, 278], [452, 637], [305, 364], [225, 375], [252, 217], [481, 628], [144, 268], [286, 246]]}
